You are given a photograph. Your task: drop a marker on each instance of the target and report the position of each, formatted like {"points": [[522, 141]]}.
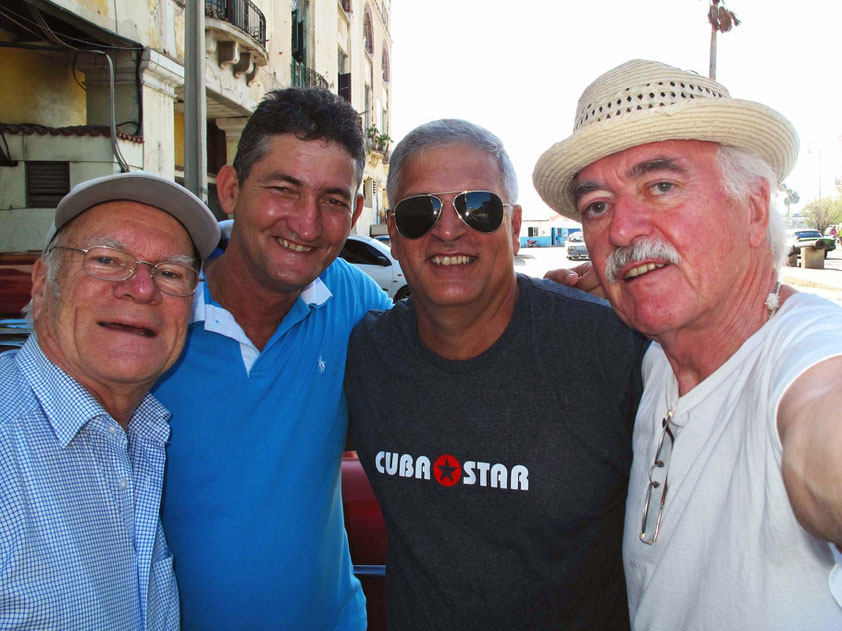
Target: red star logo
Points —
{"points": [[447, 470]]}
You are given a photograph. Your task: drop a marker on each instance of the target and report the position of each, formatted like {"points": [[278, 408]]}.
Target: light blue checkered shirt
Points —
{"points": [[81, 542]]}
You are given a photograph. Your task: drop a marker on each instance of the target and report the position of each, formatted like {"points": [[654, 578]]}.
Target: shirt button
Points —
{"points": [[123, 485], [113, 429]]}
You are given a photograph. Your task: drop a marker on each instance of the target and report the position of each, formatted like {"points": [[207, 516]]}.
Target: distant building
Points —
{"points": [[552, 231], [56, 113]]}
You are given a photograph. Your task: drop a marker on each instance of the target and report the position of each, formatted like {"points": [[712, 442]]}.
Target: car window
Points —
{"points": [[361, 253]]}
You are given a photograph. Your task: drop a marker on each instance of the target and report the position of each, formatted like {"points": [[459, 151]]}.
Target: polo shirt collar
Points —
{"points": [[218, 320]]}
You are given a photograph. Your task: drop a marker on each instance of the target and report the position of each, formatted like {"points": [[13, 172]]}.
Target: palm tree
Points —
{"points": [[792, 197], [721, 21]]}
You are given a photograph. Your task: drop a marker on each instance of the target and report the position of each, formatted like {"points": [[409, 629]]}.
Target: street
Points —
{"points": [[823, 282]]}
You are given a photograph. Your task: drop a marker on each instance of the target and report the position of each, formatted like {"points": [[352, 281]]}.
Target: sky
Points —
{"points": [[518, 68]]}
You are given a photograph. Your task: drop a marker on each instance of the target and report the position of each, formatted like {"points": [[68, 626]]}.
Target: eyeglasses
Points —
{"points": [[480, 210], [657, 491], [111, 264]]}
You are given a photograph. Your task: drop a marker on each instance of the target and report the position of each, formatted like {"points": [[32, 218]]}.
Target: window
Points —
{"points": [[299, 31], [368, 32], [385, 63], [346, 6], [46, 183], [363, 254]]}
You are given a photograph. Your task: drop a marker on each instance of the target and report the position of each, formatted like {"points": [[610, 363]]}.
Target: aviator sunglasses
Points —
{"points": [[479, 210]]}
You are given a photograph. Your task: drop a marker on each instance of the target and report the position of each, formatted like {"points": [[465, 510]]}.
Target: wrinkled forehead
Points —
{"points": [[448, 167], [666, 153]]}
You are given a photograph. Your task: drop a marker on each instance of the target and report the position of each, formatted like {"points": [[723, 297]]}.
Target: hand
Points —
{"points": [[581, 277]]}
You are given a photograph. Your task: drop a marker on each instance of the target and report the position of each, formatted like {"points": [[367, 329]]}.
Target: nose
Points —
{"points": [[449, 226], [139, 286], [629, 220], [305, 220]]}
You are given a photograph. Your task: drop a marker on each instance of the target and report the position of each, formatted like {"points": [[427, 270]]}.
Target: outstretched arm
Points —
{"points": [[810, 427]]}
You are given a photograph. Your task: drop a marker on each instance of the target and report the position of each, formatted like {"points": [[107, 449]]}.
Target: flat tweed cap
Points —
{"points": [[144, 188], [646, 101]]}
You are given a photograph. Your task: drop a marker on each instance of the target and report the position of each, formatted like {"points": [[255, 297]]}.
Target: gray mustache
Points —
{"points": [[637, 251]]}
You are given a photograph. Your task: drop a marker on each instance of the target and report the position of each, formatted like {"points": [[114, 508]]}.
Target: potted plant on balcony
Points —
{"points": [[377, 140]]}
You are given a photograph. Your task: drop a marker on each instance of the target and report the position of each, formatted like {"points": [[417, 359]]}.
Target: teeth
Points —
{"points": [[128, 329], [453, 260], [642, 269], [295, 247]]}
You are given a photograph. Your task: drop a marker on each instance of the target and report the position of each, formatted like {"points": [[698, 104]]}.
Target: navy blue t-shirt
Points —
{"points": [[502, 478]]}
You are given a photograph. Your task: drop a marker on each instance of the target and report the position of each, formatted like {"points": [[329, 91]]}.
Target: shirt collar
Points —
{"points": [[313, 295], [68, 406]]}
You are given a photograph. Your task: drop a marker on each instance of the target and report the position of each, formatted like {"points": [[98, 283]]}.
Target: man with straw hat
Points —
{"points": [[736, 484]]}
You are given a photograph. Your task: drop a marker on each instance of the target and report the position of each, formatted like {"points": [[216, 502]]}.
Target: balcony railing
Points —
{"points": [[242, 14], [305, 77]]}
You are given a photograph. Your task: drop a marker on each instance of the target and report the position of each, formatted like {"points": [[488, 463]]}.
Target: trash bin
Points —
{"points": [[812, 258]]}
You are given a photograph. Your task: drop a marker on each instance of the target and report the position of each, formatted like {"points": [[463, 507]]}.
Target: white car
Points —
{"points": [[376, 260], [576, 248]]}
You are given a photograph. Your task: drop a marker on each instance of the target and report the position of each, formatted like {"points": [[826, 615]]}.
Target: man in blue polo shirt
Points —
{"points": [[252, 505]]}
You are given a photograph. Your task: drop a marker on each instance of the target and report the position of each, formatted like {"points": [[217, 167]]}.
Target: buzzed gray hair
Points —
{"points": [[451, 131], [739, 171]]}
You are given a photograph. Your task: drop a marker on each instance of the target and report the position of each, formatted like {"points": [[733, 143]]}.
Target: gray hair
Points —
{"points": [[739, 170], [451, 131], [53, 260]]}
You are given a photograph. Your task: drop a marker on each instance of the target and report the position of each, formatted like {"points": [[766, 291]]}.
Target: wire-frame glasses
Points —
{"points": [[656, 493]]}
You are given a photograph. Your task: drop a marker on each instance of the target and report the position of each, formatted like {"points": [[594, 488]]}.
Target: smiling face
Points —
{"points": [[452, 264], [293, 212], [680, 251], [113, 336]]}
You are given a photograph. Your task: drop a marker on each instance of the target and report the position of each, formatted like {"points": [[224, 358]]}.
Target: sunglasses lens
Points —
{"points": [[481, 210], [414, 216]]}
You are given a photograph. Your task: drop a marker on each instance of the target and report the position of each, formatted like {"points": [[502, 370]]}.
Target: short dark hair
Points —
{"points": [[309, 114]]}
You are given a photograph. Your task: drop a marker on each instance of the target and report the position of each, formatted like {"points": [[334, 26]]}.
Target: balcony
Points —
{"points": [[304, 77], [242, 14]]}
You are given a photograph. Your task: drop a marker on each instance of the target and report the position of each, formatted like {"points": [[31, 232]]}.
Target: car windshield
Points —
{"points": [[807, 234]]}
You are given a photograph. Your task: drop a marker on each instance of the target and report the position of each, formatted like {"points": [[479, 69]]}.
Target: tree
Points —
{"points": [[721, 21], [792, 197], [823, 213]]}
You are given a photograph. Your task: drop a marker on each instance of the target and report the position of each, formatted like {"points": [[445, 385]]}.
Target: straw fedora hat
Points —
{"points": [[646, 101]]}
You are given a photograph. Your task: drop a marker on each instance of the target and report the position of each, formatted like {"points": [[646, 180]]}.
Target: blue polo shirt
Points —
{"points": [[252, 506]]}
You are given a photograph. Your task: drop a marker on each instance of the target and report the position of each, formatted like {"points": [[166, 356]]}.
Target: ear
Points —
{"points": [[227, 188], [39, 287], [358, 208], [758, 208], [394, 235], [516, 219]]}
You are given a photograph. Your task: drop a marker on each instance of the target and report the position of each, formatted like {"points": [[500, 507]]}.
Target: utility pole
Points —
{"points": [[195, 106]]}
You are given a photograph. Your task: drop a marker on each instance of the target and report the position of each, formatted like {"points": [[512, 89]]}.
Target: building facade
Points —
{"points": [[97, 86]]}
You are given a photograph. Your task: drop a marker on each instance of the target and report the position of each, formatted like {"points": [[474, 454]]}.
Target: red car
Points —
{"points": [[15, 280], [363, 520]]}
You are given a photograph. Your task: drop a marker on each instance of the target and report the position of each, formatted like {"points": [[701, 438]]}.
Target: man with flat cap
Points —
{"points": [[736, 485], [81, 440]]}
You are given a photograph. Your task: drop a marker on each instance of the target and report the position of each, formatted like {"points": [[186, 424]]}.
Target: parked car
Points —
{"points": [[376, 260], [807, 236], [15, 280], [363, 519], [576, 248], [366, 537]]}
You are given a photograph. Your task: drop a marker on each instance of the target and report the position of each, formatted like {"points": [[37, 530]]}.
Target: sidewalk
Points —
{"points": [[828, 278]]}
